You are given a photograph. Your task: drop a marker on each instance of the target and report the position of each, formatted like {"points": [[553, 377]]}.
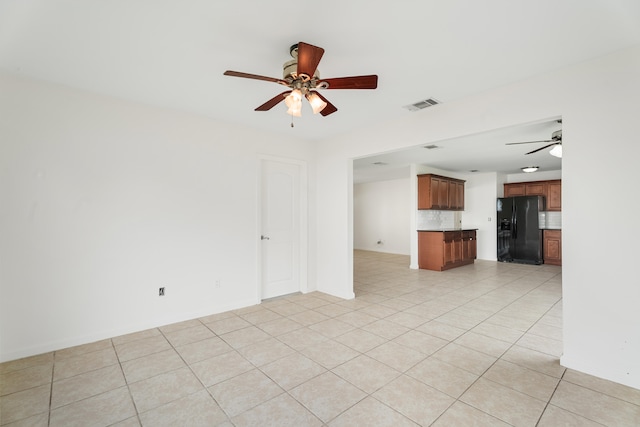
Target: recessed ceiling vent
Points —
{"points": [[422, 104]]}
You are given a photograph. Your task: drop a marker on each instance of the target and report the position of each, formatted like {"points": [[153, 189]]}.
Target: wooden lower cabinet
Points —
{"points": [[469, 246], [452, 246], [552, 247], [441, 250]]}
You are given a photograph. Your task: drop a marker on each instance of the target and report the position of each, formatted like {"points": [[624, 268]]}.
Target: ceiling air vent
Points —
{"points": [[422, 104]]}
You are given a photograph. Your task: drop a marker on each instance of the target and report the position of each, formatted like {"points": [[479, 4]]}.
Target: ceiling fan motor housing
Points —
{"points": [[290, 70]]}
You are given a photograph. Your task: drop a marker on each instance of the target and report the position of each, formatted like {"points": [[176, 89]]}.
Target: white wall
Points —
{"points": [[104, 201], [599, 143], [535, 176], [480, 212], [381, 213]]}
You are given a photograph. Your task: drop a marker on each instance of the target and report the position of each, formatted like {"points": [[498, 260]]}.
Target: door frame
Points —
{"points": [[303, 239]]}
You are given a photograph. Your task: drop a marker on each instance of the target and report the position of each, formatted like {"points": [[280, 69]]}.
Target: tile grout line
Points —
{"points": [[192, 372], [550, 398], [126, 382], [53, 367]]}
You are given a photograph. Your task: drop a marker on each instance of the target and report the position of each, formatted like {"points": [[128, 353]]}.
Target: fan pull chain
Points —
{"points": [[291, 120]]}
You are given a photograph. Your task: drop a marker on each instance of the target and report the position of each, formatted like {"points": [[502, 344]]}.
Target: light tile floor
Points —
{"points": [[474, 346]]}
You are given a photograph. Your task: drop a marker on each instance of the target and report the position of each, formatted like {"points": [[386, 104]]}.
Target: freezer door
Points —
{"points": [[527, 236], [504, 211]]}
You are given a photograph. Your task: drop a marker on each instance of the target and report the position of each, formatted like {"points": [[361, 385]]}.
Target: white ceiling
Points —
{"points": [[172, 54], [485, 152]]}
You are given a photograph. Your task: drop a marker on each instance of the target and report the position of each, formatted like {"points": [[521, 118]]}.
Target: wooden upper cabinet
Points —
{"points": [[538, 188], [443, 193], [426, 193], [554, 195], [456, 195], [512, 190], [440, 193], [433, 192], [551, 190], [453, 194]]}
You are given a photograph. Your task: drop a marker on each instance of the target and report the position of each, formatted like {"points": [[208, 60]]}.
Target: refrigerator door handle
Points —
{"points": [[514, 222]]}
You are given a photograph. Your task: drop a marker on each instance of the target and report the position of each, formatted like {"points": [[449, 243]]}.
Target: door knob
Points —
{"points": [[264, 238]]}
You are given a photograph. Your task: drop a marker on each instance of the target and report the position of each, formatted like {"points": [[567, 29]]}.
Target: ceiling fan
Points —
{"points": [[302, 78], [556, 139]]}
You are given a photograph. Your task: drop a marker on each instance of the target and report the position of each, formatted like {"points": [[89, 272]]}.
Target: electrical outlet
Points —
{"points": [[217, 283], [161, 292]]}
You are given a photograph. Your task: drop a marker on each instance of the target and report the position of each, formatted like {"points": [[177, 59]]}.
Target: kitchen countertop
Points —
{"points": [[441, 230]]}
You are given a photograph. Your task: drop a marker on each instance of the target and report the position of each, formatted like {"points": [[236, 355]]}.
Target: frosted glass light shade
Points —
{"points": [[295, 111], [294, 102], [556, 151], [317, 104], [294, 96]]}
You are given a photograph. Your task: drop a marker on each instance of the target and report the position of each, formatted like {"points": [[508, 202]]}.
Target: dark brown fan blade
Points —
{"points": [[528, 142], [273, 101], [309, 57], [542, 148], [329, 109], [255, 77], [355, 82]]}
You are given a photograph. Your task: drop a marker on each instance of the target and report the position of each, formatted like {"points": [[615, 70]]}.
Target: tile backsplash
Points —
{"points": [[435, 220], [550, 220]]}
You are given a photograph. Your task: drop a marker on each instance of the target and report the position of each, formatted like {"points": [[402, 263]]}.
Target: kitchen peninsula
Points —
{"points": [[443, 249]]}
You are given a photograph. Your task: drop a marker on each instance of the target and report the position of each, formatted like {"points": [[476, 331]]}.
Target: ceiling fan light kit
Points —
{"points": [[556, 140], [317, 104], [294, 102], [556, 151], [302, 77]]}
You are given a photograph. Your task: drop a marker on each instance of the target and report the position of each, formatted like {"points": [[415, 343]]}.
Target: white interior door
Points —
{"points": [[280, 239]]}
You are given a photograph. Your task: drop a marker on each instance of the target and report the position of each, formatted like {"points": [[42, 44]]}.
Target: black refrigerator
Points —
{"points": [[519, 234]]}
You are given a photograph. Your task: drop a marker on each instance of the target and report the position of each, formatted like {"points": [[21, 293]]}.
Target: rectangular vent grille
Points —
{"points": [[422, 104]]}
